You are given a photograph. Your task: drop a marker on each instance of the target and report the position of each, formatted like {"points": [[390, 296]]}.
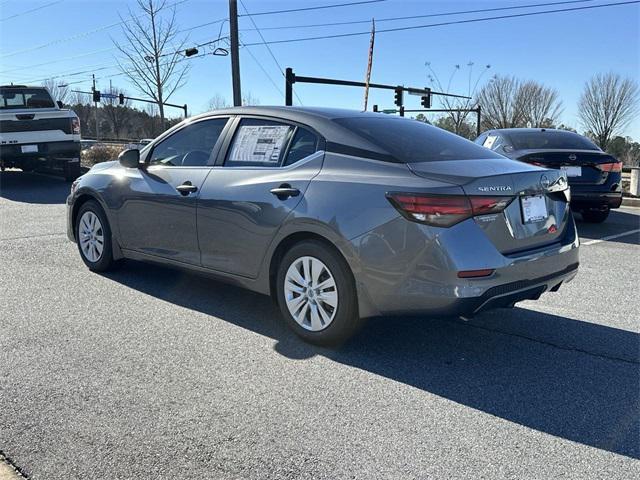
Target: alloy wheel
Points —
{"points": [[311, 293], [91, 236]]}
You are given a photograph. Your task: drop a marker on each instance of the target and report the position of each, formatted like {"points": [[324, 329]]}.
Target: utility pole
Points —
{"points": [[95, 106], [235, 53]]}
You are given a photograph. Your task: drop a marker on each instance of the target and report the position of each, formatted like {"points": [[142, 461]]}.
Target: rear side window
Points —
{"points": [[527, 140], [25, 98], [411, 141], [259, 143], [304, 143]]}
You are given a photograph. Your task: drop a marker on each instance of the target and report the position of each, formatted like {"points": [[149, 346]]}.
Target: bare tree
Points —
{"points": [[461, 105], [502, 103], [59, 90], [218, 101], [607, 105], [118, 115], [541, 105], [152, 53]]}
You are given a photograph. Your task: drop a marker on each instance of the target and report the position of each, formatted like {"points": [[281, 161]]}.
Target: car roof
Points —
{"points": [[318, 118], [530, 130]]}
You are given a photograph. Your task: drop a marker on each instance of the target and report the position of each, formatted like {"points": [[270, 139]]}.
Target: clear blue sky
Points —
{"points": [[561, 50]]}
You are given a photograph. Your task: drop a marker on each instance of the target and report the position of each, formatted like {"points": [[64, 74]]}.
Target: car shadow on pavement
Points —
{"points": [[618, 222], [32, 188], [568, 378]]}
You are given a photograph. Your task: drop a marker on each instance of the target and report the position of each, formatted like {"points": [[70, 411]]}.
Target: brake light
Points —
{"points": [[610, 167], [445, 210], [75, 126]]}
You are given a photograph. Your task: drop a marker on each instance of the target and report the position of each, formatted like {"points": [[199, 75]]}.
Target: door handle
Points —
{"points": [[186, 188], [285, 191]]}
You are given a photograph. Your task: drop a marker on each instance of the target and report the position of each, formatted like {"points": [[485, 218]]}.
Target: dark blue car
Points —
{"points": [[595, 177]]}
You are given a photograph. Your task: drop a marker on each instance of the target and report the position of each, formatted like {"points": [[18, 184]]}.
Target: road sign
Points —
{"points": [[389, 110]]}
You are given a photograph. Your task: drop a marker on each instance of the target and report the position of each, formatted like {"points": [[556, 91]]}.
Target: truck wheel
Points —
{"points": [[93, 236], [316, 294], [71, 171]]}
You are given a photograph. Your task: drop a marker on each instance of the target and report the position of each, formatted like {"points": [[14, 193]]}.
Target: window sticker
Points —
{"points": [[491, 139], [259, 143]]}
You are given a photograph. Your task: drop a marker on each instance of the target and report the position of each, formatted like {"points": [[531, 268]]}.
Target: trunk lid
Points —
{"points": [[538, 212], [581, 166]]}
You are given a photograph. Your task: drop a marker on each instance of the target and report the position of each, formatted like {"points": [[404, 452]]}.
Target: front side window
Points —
{"points": [[190, 146], [12, 97], [259, 143]]}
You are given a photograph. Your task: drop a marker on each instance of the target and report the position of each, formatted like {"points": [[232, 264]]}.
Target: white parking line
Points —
{"points": [[610, 237]]}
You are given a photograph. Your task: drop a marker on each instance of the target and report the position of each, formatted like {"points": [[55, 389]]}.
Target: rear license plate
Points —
{"points": [[572, 171], [534, 208], [29, 148]]}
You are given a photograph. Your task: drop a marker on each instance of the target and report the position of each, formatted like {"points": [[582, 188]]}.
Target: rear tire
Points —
{"points": [[93, 237], [71, 171], [316, 294], [595, 216]]}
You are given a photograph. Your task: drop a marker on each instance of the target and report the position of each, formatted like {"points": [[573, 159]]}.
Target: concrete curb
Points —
{"points": [[630, 202]]}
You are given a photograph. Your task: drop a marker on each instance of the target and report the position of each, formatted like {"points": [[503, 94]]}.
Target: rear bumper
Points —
{"points": [[64, 149], [405, 268], [595, 200]]}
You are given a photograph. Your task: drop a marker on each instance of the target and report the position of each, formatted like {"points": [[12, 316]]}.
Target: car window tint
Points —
{"points": [[526, 140], [410, 141], [304, 143], [258, 143], [190, 146]]}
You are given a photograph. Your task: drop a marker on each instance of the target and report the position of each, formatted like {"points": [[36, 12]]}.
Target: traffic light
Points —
{"points": [[96, 95], [121, 98], [426, 100], [398, 96]]}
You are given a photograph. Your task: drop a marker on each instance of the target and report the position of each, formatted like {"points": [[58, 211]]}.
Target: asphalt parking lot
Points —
{"points": [[149, 372]]}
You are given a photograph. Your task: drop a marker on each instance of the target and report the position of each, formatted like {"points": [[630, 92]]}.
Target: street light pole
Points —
{"points": [[235, 53]]}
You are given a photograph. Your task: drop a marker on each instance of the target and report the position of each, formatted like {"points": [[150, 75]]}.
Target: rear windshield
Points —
{"points": [[411, 141], [25, 98], [552, 140]]}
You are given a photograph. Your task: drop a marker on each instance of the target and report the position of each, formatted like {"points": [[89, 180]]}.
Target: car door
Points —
{"points": [[262, 177], [158, 211]]}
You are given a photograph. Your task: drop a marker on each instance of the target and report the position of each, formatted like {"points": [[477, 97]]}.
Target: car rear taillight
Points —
{"points": [[445, 210], [75, 126], [610, 167]]}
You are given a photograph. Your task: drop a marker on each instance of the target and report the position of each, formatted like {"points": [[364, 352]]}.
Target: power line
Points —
{"points": [[30, 11], [268, 47], [81, 34], [335, 5], [456, 22], [312, 25], [411, 17]]}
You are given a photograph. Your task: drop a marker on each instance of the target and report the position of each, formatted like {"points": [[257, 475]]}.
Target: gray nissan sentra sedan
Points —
{"points": [[339, 215]]}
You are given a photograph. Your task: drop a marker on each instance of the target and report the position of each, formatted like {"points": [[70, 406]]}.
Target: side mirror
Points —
{"points": [[507, 148], [60, 104], [130, 158]]}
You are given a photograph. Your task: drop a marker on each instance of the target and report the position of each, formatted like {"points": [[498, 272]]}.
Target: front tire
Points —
{"points": [[93, 237], [316, 294], [595, 216]]}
